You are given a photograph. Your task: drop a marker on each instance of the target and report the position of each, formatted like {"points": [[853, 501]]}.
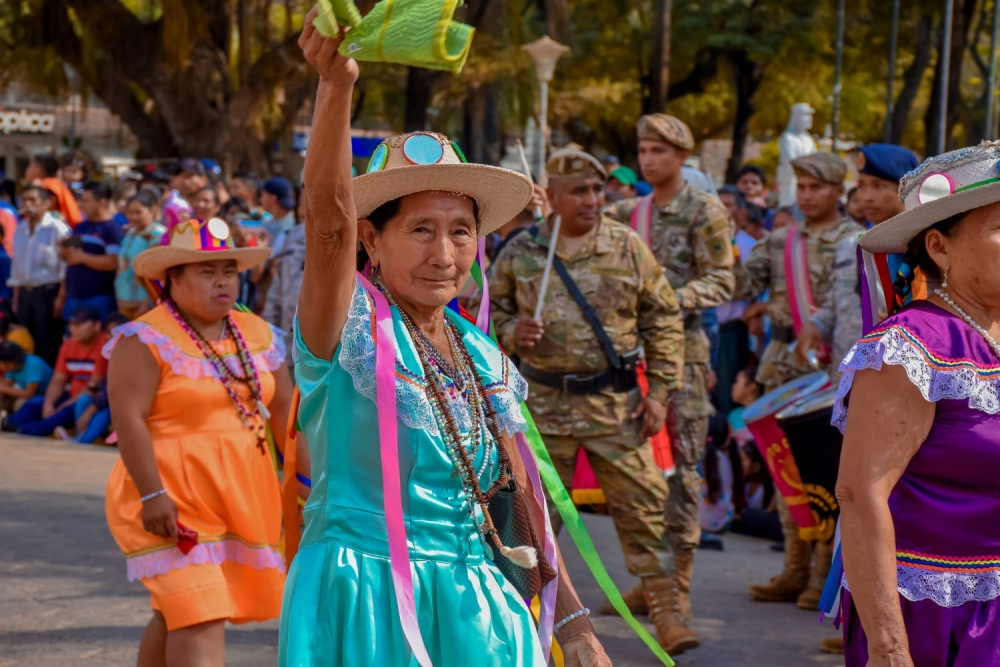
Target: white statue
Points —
{"points": [[795, 142]]}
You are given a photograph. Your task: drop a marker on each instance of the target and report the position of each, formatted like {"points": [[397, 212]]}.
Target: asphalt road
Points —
{"points": [[64, 599]]}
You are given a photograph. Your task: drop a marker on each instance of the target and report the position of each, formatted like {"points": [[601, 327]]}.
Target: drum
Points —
{"points": [[760, 419], [815, 445]]}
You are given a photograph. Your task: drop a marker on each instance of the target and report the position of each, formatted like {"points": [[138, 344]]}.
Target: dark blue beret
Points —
{"points": [[886, 161]]}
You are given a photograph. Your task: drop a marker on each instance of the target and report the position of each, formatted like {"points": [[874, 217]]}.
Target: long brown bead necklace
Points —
{"points": [[251, 419], [475, 394]]}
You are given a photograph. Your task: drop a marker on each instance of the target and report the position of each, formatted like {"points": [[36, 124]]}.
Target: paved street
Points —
{"points": [[64, 599]]}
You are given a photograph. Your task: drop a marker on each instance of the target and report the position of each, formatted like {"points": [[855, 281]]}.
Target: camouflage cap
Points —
{"points": [[826, 167], [567, 162], [661, 127]]}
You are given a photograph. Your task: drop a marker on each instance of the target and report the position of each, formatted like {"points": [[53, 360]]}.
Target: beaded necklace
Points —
{"points": [[251, 419], [968, 319], [480, 409]]}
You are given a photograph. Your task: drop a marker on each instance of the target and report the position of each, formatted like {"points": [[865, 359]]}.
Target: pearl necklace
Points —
{"points": [[971, 322]]}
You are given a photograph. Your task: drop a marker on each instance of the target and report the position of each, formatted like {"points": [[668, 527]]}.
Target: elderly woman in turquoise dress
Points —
{"points": [[349, 599]]}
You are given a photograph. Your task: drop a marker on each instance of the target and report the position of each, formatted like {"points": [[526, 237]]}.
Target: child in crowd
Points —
{"points": [[92, 415], [715, 511], [15, 333], [25, 376], [753, 489], [753, 499], [80, 366]]}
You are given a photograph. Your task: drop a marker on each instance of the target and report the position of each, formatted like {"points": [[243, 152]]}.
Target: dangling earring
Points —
{"points": [[945, 283], [375, 276]]}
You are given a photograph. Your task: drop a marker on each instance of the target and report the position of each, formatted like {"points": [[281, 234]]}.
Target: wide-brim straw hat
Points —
{"points": [[942, 187], [425, 161], [196, 241]]}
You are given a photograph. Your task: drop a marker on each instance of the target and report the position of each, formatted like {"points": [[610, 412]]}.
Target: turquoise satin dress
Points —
{"points": [[339, 606]]}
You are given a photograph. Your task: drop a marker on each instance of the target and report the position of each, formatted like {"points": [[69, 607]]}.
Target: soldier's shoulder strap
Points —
{"points": [[588, 310]]}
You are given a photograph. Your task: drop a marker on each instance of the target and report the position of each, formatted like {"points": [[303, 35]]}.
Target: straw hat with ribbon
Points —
{"points": [[423, 161], [192, 242], [943, 186]]}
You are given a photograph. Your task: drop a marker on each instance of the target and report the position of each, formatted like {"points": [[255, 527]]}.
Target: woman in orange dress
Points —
{"points": [[194, 502]]}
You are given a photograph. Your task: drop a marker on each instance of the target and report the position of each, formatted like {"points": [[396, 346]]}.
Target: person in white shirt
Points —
{"points": [[38, 273]]}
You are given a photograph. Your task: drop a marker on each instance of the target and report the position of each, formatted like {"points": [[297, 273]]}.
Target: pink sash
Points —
{"points": [[800, 296], [399, 553], [642, 217], [483, 318]]}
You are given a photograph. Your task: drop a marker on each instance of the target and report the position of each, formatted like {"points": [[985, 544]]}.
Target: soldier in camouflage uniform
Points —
{"points": [[568, 369], [819, 188], [881, 167], [690, 232]]}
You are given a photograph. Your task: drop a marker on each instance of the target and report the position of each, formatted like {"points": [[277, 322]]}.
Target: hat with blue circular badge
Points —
{"points": [[425, 161], [943, 186]]}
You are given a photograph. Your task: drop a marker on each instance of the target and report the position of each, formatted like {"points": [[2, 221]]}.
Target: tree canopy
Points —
{"points": [[225, 78]]}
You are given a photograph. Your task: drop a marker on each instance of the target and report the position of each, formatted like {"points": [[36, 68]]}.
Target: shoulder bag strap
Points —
{"points": [[588, 312]]}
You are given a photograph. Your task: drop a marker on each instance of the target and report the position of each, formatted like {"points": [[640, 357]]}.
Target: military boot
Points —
{"points": [[822, 556], [787, 586], [634, 600], [683, 567], [661, 599]]}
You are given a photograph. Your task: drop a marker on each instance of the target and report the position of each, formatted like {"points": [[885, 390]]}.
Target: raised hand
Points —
{"points": [[321, 53]]}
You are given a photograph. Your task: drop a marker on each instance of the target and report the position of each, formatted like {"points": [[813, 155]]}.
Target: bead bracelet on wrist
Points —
{"points": [[578, 625], [155, 494]]}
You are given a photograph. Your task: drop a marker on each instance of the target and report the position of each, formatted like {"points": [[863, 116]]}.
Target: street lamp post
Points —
{"points": [[545, 52]]}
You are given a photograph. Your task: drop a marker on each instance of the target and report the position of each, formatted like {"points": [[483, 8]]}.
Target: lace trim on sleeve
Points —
{"points": [[357, 357], [957, 380], [269, 359]]}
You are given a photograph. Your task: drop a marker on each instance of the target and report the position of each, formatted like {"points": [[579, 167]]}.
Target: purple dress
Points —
{"points": [[946, 506]]}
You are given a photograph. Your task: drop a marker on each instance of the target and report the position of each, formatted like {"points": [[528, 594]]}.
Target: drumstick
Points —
{"points": [[557, 220], [527, 172]]}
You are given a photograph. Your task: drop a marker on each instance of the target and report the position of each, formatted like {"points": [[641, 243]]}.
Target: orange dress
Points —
{"points": [[224, 487]]}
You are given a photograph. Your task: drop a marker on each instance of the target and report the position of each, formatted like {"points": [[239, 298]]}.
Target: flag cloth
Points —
{"points": [[419, 33]]}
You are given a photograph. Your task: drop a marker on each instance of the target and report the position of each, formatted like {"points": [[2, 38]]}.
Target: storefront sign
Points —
{"points": [[23, 121]]}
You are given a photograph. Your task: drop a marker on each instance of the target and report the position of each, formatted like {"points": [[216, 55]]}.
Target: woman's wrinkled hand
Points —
{"points": [[894, 658], [159, 516], [584, 650], [321, 53]]}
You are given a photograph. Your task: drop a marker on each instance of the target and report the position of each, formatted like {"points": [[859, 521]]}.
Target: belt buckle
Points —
{"points": [[567, 379]]}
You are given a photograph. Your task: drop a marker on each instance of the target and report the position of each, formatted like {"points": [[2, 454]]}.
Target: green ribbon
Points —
{"points": [[571, 518], [581, 538], [420, 33]]}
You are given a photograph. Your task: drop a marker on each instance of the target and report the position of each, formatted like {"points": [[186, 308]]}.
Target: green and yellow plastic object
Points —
{"points": [[420, 33]]}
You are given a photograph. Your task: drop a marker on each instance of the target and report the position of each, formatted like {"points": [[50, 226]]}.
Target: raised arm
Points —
{"points": [[331, 219]]}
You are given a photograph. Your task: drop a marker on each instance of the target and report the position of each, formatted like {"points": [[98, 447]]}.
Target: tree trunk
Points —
{"points": [[961, 20], [419, 92], [481, 126], [748, 75], [659, 62], [912, 78], [559, 23]]}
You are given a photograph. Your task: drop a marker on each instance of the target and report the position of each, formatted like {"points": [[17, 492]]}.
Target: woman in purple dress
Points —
{"points": [[919, 484]]}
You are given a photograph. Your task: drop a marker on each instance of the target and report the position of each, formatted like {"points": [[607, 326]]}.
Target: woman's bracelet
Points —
{"points": [[572, 617], [155, 494]]}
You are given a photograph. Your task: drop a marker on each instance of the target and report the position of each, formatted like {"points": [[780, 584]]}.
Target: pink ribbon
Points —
{"points": [[483, 318], [547, 614], [399, 552], [800, 296]]}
